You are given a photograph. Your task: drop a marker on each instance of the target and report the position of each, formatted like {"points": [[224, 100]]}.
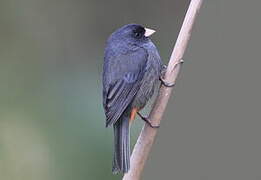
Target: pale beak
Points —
{"points": [[149, 32]]}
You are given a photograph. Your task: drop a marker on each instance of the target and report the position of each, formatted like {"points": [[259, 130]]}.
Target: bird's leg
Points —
{"points": [[147, 121], [164, 69]]}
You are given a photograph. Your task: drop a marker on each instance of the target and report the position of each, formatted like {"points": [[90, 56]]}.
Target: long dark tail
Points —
{"points": [[121, 161]]}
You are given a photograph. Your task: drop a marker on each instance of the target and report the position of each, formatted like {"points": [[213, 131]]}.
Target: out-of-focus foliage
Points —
{"points": [[51, 53]]}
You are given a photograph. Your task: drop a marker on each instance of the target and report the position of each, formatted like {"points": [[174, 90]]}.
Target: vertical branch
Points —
{"points": [[147, 135]]}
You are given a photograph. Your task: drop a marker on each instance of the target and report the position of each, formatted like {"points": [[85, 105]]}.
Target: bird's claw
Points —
{"points": [[145, 119], [164, 69], [166, 84]]}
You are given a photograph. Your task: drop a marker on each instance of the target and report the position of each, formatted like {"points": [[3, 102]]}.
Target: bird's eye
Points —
{"points": [[137, 34]]}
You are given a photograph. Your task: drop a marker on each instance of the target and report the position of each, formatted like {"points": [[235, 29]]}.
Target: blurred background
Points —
{"points": [[52, 124]]}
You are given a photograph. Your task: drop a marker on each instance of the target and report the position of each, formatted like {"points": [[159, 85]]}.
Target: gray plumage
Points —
{"points": [[131, 72]]}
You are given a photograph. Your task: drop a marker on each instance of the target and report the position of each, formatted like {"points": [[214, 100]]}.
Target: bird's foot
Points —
{"points": [[147, 121], [164, 69], [166, 84]]}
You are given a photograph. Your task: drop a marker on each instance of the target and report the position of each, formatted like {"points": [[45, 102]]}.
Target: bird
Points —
{"points": [[131, 73]]}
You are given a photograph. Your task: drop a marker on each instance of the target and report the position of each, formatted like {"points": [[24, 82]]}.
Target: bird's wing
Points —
{"points": [[123, 75]]}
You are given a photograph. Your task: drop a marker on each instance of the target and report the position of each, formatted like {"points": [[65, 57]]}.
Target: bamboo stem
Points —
{"points": [[147, 135]]}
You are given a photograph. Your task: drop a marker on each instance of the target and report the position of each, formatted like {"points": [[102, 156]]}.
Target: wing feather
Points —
{"points": [[124, 76]]}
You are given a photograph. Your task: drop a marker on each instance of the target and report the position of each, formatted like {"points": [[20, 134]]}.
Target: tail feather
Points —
{"points": [[121, 161]]}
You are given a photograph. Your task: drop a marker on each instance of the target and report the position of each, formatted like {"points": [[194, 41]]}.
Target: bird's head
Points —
{"points": [[133, 34]]}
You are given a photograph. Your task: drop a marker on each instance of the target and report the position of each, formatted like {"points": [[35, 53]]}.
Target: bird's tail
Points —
{"points": [[121, 161]]}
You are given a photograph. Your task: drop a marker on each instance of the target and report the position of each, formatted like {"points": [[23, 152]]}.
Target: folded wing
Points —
{"points": [[122, 79]]}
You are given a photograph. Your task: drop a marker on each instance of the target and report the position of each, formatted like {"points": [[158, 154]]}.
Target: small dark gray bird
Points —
{"points": [[131, 72]]}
